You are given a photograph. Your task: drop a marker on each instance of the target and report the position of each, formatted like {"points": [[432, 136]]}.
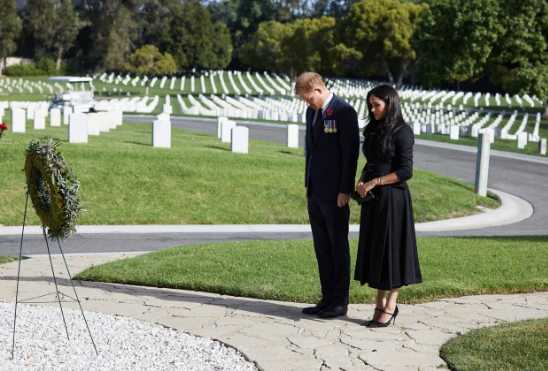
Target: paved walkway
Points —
{"points": [[124, 238], [512, 210], [275, 334]]}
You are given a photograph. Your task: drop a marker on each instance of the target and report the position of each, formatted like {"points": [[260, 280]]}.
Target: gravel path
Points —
{"points": [[124, 344]]}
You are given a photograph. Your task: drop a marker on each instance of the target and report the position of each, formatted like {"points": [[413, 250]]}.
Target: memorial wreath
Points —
{"points": [[52, 187]]}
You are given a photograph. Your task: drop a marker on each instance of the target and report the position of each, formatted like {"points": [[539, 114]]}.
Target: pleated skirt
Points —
{"points": [[387, 248]]}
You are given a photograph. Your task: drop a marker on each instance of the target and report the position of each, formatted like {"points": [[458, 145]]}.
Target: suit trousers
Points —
{"points": [[329, 225]]}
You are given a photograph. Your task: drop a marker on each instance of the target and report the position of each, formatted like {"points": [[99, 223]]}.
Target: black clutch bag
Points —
{"points": [[370, 196]]}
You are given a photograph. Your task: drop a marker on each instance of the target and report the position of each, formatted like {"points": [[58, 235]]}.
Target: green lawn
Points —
{"points": [[501, 145], [508, 347], [199, 181], [286, 270], [6, 259]]}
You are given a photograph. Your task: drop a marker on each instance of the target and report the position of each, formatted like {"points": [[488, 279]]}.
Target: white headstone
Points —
{"points": [[454, 132], [482, 163], [55, 117], [416, 128], [78, 128], [240, 139], [293, 136], [39, 120], [491, 135], [220, 121], [67, 110], [161, 133], [18, 120], [226, 131], [542, 146], [95, 123], [522, 140]]}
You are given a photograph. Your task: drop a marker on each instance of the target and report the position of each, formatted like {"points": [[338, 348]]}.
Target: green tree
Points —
{"points": [[310, 46], [264, 50], [382, 31], [455, 40], [302, 45], [119, 39], [519, 60], [196, 41], [111, 33], [242, 17], [54, 25], [155, 20], [149, 60], [10, 27]]}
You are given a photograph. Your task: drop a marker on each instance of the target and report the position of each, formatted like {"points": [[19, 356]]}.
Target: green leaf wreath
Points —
{"points": [[52, 186]]}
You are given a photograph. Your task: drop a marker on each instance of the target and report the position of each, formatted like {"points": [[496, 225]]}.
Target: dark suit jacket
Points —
{"points": [[331, 157]]}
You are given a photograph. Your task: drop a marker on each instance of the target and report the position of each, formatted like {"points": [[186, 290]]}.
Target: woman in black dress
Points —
{"points": [[387, 251]]}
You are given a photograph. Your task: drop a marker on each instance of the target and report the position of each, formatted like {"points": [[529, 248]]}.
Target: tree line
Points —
{"points": [[500, 44]]}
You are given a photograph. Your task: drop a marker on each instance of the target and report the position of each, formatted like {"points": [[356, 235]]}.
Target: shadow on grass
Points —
{"points": [[138, 143], [217, 147], [258, 306], [291, 153]]}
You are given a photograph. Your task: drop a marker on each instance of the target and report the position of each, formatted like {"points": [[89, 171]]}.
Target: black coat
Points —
{"points": [[332, 148]]}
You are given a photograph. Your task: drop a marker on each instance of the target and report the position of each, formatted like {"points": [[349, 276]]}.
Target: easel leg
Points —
{"points": [[18, 274], [55, 281], [76, 296]]}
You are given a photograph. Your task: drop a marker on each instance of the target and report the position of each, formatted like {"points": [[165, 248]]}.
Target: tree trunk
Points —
{"points": [[546, 111], [402, 74], [387, 71], [59, 58]]}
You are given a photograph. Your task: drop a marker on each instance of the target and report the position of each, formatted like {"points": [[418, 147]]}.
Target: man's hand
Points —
{"points": [[342, 199]]}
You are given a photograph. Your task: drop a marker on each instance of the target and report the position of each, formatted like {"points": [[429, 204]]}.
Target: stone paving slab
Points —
{"points": [[275, 334]]}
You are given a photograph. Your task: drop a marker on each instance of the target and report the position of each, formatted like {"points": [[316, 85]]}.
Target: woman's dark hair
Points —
{"points": [[392, 121]]}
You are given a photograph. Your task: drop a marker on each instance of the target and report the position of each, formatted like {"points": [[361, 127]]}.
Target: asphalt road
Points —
{"points": [[528, 180]]}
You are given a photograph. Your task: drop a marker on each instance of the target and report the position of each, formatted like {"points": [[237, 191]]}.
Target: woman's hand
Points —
{"points": [[363, 188]]}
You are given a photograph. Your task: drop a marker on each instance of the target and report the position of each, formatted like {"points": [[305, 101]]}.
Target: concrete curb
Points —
{"points": [[512, 210]]}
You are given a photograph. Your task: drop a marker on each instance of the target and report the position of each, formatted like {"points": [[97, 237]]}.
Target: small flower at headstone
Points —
{"points": [[3, 127]]}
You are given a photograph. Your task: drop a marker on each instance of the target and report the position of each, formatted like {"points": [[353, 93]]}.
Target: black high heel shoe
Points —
{"points": [[366, 323], [392, 319]]}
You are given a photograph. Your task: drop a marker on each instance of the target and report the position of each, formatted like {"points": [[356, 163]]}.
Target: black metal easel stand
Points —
{"points": [[58, 294]]}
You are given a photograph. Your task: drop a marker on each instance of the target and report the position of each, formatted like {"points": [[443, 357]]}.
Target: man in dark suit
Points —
{"points": [[331, 149]]}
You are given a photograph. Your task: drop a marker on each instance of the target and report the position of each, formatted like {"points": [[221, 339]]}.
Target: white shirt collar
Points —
{"points": [[327, 101]]}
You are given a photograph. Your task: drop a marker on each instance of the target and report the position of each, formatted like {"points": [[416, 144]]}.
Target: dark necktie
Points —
{"points": [[316, 122]]}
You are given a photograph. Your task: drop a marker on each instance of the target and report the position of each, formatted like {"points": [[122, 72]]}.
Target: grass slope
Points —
{"points": [[199, 181], [286, 270]]}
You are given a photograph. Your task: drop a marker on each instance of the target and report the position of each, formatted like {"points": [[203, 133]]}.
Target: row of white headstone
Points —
{"points": [[255, 83], [80, 124], [238, 136], [465, 98], [84, 124], [11, 85]]}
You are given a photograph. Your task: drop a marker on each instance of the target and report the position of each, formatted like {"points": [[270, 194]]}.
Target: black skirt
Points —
{"points": [[387, 248]]}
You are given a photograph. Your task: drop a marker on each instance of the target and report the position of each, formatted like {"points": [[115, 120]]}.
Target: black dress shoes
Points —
{"points": [[315, 309], [332, 312]]}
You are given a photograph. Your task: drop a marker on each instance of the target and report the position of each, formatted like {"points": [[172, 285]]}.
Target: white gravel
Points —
{"points": [[123, 344]]}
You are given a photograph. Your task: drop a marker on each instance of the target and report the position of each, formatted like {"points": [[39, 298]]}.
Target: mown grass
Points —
{"points": [[502, 145], [199, 181], [286, 270], [6, 259], [508, 347]]}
